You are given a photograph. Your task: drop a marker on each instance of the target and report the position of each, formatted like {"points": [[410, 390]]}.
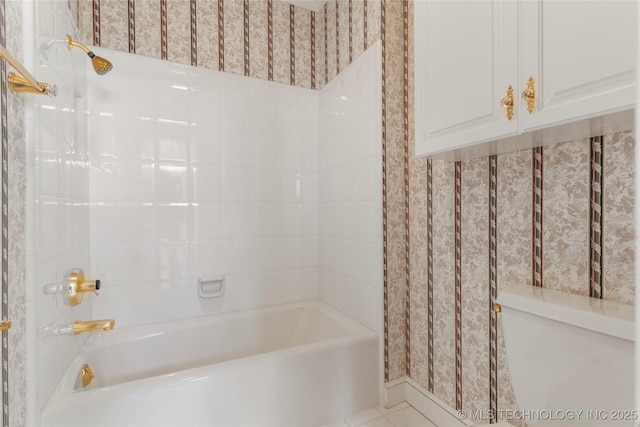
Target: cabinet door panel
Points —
{"points": [[582, 57], [465, 59]]}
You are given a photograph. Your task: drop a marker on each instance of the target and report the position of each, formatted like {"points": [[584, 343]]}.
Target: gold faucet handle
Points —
{"points": [[78, 286]]}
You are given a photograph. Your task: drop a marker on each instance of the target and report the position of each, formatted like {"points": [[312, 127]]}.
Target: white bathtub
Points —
{"points": [[300, 364]]}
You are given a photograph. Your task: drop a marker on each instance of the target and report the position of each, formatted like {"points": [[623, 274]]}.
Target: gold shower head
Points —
{"points": [[101, 65]]}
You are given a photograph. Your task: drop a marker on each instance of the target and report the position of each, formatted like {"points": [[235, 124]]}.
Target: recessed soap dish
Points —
{"points": [[211, 286]]}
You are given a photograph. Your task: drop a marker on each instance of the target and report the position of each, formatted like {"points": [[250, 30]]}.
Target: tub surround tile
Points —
{"points": [[183, 175], [350, 265]]}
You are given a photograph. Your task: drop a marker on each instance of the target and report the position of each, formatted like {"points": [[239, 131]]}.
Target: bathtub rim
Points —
{"points": [[65, 393]]}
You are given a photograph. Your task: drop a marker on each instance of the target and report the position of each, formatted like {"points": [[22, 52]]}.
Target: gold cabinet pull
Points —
{"points": [[507, 102], [529, 94], [5, 324]]}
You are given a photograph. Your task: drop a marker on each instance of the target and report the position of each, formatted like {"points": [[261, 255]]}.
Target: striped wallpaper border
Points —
{"points": [[537, 226], [245, 35], [313, 50], [458, 281], [406, 155], [596, 163], [385, 255], [350, 31], [193, 15], [270, 39], [493, 286], [292, 45], [338, 37], [430, 273], [95, 19], [164, 37], [365, 24], [326, 43], [131, 24], [4, 149], [220, 35]]}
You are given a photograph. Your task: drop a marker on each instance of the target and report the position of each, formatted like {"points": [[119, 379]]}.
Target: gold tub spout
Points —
{"points": [[93, 326]]}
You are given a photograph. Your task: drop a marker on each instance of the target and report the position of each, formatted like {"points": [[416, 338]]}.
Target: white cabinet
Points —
{"points": [[579, 54]]}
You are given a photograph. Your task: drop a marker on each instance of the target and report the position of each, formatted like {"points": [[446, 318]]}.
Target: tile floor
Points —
{"points": [[402, 415]]}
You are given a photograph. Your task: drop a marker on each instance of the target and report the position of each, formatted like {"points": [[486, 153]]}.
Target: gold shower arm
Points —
{"points": [[71, 42], [26, 83]]}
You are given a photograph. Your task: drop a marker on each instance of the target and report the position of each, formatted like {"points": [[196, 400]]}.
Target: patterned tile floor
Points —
{"points": [[402, 415]]}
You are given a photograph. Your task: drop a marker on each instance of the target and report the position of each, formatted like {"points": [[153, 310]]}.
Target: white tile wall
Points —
{"points": [[57, 194], [350, 190], [177, 173], [198, 173]]}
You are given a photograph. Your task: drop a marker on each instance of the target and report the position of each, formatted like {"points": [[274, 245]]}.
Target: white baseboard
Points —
{"points": [[432, 407]]}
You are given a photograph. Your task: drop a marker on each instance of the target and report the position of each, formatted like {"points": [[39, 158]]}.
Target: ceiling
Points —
{"points": [[315, 5]]}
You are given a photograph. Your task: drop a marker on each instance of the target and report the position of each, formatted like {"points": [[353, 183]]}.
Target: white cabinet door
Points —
{"points": [[581, 55], [466, 57]]}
